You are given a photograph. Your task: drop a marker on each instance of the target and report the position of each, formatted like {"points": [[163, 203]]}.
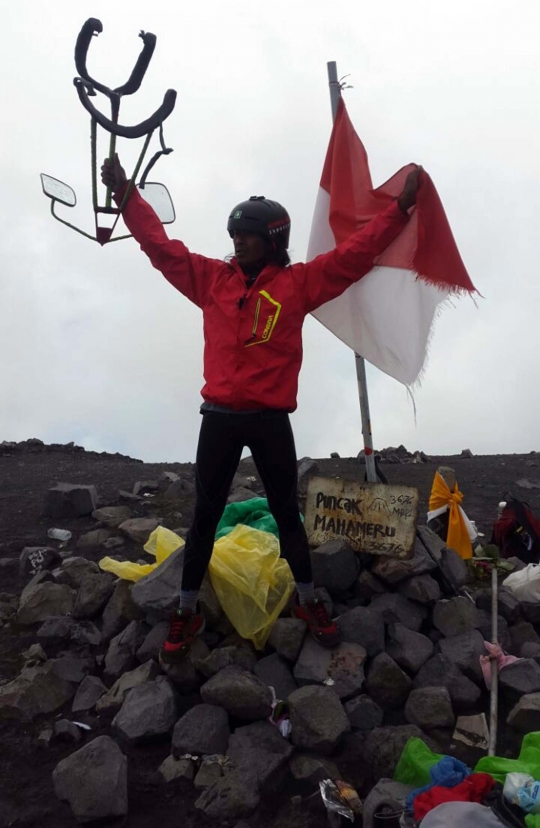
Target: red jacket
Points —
{"points": [[253, 337]]}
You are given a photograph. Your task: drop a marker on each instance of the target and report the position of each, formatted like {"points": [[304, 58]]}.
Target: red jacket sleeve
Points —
{"points": [[188, 272], [330, 274]]}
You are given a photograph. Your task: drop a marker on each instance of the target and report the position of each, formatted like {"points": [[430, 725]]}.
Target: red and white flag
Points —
{"points": [[386, 316]]}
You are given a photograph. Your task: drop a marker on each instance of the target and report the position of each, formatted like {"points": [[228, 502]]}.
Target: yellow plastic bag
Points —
{"points": [[161, 543], [251, 581]]}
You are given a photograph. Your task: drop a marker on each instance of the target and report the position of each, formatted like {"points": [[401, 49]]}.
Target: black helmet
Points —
{"points": [[260, 215]]}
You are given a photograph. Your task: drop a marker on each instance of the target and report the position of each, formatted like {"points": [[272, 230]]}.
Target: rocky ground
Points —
{"points": [[76, 645]]}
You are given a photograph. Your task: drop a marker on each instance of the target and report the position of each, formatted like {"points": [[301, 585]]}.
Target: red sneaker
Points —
{"points": [[323, 629], [184, 628]]}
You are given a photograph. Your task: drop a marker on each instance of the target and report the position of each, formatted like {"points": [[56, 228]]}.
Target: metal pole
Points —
{"points": [[371, 471], [494, 693]]}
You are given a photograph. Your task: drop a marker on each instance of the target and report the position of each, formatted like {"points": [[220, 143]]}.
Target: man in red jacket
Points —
{"points": [[253, 309]]}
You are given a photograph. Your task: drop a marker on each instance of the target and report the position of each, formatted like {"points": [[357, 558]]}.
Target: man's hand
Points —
{"points": [[113, 174], [407, 199]]}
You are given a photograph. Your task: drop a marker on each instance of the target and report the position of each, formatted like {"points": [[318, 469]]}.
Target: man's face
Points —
{"points": [[249, 248]]}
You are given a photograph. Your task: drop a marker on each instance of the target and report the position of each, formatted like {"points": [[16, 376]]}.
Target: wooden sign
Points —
{"points": [[371, 517]]}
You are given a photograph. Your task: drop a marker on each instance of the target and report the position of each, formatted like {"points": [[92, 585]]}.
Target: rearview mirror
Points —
{"points": [[58, 191], [158, 197]]}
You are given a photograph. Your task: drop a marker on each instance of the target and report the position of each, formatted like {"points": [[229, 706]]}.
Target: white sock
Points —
{"points": [[188, 599], [306, 593]]}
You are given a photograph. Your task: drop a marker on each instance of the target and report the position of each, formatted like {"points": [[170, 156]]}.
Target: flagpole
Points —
{"points": [[371, 470]]}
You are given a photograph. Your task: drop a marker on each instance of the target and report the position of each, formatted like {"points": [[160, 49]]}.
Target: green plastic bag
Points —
{"points": [[415, 764], [253, 584], [254, 513], [527, 762]]}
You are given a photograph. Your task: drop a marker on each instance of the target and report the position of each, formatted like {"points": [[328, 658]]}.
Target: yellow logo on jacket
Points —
{"points": [[266, 316]]}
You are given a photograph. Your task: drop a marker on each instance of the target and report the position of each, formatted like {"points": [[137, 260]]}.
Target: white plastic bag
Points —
{"points": [[522, 790], [525, 584]]}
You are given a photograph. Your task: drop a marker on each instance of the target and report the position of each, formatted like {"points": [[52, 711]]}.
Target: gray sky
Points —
{"points": [[98, 348]]}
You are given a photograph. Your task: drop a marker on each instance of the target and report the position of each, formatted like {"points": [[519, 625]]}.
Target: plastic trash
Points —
{"points": [[525, 584], [59, 534], [522, 790], [161, 543], [252, 583], [253, 512], [340, 798], [415, 763]]}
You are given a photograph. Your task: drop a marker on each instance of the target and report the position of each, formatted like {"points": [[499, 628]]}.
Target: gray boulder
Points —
{"points": [[521, 634], [464, 651], [227, 657], [342, 669], [454, 616], [310, 770], [98, 766], [55, 630], [384, 746], [94, 539], [90, 690], [363, 713], [525, 715], [385, 793], [396, 609], [67, 500], [152, 643], [335, 566], [158, 592], [240, 693], [429, 708], [43, 600], [35, 691], [203, 730], [171, 769], [34, 559], [519, 679], [149, 712], [67, 732], [112, 516], [93, 594], [387, 682], [259, 751], [120, 610], [318, 719], [138, 529], [361, 625], [121, 653], [507, 603], [72, 667], [367, 587], [230, 798], [75, 569], [422, 588], [394, 570], [287, 637], [454, 568], [275, 672], [408, 649], [113, 699], [438, 671]]}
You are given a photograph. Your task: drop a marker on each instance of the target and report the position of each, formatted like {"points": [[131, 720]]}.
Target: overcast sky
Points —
{"points": [[98, 348]]}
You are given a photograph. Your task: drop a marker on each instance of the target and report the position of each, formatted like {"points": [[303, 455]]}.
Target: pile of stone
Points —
{"points": [[393, 455], [408, 666]]}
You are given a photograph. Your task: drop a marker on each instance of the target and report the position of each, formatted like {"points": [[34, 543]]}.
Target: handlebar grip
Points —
{"points": [[91, 27], [137, 131], [139, 70]]}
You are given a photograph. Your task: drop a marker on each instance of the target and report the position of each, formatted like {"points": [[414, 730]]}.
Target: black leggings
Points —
{"points": [[269, 437]]}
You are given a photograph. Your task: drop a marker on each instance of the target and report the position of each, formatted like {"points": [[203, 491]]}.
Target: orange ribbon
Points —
{"points": [[458, 536]]}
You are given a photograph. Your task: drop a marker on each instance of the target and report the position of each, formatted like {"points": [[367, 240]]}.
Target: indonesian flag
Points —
{"points": [[386, 316]]}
